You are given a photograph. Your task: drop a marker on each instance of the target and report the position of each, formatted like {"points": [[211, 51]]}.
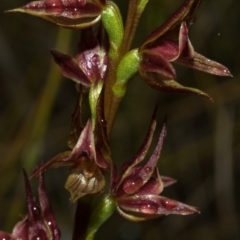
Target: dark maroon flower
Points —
{"points": [[76, 14], [170, 43], [86, 162], [136, 190], [39, 222], [90, 65]]}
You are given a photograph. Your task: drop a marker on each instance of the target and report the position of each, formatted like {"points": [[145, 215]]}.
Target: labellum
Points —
{"points": [[86, 179]]}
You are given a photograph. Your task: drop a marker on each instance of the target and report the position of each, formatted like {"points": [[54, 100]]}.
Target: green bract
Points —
{"points": [[112, 22], [127, 68]]}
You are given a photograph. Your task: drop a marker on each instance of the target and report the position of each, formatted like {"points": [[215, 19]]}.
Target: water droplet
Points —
{"points": [[148, 169], [148, 208], [54, 6], [169, 204], [49, 223], [103, 122], [132, 185]]}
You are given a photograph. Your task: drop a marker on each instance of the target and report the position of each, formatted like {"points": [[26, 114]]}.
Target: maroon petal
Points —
{"points": [[127, 169], [168, 181], [100, 160], [70, 68], [204, 64], [58, 161], [66, 13], [153, 186], [169, 85], [169, 29], [35, 225], [168, 49], [172, 50], [88, 58], [46, 209], [186, 50], [154, 205], [34, 213], [132, 217], [85, 145], [154, 62], [92, 55], [7, 236], [20, 230], [134, 183]]}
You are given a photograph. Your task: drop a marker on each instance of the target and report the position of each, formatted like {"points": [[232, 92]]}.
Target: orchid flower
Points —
{"points": [[170, 43], [86, 163], [136, 190], [39, 223]]}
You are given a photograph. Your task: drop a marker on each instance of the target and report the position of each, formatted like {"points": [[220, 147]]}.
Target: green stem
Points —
{"points": [[112, 102], [104, 208]]}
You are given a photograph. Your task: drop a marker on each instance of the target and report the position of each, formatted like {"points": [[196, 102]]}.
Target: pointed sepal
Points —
{"points": [[154, 205], [74, 14], [70, 68]]}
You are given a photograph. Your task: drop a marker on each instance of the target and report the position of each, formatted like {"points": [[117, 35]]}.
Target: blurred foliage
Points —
{"points": [[202, 148]]}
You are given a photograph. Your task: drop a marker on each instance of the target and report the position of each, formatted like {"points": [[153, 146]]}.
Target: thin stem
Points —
{"points": [[131, 25], [110, 106], [82, 217], [112, 102]]}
